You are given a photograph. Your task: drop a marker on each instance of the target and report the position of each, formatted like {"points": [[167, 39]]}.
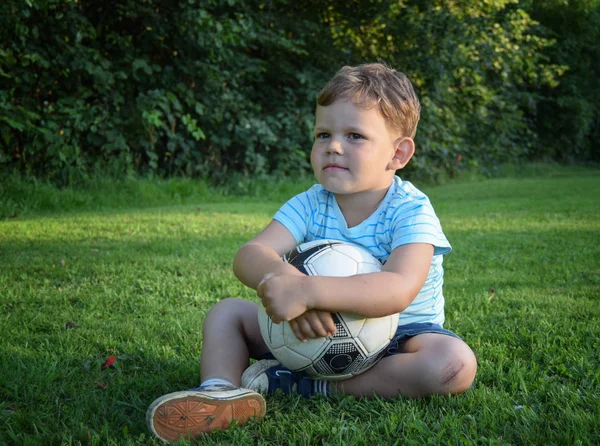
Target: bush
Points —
{"points": [[211, 88], [161, 87], [567, 118], [474, 64]]}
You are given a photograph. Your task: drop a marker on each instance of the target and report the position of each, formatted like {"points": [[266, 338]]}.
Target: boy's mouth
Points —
{"points": [[332, 167]]}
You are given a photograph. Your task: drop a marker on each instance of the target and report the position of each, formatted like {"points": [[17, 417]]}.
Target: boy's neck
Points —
{"points": [[357, 207]]}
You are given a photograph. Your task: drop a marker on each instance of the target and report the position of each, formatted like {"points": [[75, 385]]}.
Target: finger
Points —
{"points": [[296, 329], [315, 323], [266, 277], [328, 323], [306, 329], [271, 314], [276, 319], [260, 289]]}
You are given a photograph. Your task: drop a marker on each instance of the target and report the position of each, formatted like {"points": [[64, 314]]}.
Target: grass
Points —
{"points": [[90, 281]]}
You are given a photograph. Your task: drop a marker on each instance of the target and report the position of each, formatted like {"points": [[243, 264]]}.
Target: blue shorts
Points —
{"points": [[405, 332]]}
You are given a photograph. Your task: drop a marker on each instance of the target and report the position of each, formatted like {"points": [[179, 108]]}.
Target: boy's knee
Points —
{"points": [[457, 372], [231, 310], [226, 304], [228, 308]]}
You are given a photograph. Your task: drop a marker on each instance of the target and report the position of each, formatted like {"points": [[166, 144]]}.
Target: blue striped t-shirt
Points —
{"points": [[404, 216]]}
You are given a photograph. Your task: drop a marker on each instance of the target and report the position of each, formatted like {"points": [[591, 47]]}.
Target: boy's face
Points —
{"points": [[353, 149]]}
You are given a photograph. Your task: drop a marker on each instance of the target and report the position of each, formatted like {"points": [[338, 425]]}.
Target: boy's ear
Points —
{"points": [[404, 148]]}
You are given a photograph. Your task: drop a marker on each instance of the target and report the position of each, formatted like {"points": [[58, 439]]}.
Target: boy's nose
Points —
{"points": [[334, 146]]}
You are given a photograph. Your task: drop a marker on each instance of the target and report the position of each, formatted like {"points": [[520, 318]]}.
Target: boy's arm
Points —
{"points": [[371, 295], [262, 255]]}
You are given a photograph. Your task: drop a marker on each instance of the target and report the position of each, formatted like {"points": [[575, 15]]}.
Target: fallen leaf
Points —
{"points": [[108, 363], [100, 385]]}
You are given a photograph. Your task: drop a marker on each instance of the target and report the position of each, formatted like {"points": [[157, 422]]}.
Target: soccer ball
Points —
{"points": [[358, 343]]}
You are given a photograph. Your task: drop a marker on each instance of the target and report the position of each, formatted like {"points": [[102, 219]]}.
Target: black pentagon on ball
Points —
{"points": [[339, 363], [340, 326], [348, 360], [340, 356]]}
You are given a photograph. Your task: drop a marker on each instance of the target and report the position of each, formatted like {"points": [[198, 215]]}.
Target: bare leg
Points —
{"points": [[430, 364], [231, 336]]}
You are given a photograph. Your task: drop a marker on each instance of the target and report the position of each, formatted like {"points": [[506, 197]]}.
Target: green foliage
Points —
{"points": [[473, 64], [567, 118], [193, 88], [221, 89]]}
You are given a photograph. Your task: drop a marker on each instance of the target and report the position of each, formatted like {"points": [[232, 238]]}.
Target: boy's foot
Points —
{"points": [[268, 375], [191, 413]]}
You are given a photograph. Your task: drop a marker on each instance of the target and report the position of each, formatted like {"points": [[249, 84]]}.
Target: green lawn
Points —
{"points": [[77, 286]]}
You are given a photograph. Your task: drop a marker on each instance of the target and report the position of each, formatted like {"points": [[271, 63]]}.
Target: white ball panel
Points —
{"points": [[289, 338], [368, 267], [271, 333], [306, 246], [291, 359], [308, 349], [311, 270], [394, 320], [332, 264], [356, 253], [378, 332], [354, 324]]}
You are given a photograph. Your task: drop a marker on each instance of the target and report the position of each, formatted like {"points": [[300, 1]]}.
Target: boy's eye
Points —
{"points": [[355, 136], [322, 135]]}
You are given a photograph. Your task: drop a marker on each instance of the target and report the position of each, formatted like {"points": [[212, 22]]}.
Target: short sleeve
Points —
{"points": [[416, 222], [295, 215]]}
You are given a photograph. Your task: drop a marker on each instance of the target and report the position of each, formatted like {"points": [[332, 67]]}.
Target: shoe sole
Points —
{"points": [[191, 414]]}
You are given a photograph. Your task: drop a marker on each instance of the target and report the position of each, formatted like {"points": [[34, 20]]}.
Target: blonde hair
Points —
{"points": [[375, 84]]}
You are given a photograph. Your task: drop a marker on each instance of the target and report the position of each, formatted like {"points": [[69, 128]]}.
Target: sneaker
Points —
{"points": [[194, 412], [268, 375]]}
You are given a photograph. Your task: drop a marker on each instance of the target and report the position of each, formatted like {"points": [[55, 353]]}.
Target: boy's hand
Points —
{"points": [[313, 324], [284, 295]]}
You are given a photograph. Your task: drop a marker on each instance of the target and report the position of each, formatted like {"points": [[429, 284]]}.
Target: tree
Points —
{"points": [[567, 118]]}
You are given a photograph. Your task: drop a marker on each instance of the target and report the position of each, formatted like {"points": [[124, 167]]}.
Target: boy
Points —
{"points": [[366, 120]]}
